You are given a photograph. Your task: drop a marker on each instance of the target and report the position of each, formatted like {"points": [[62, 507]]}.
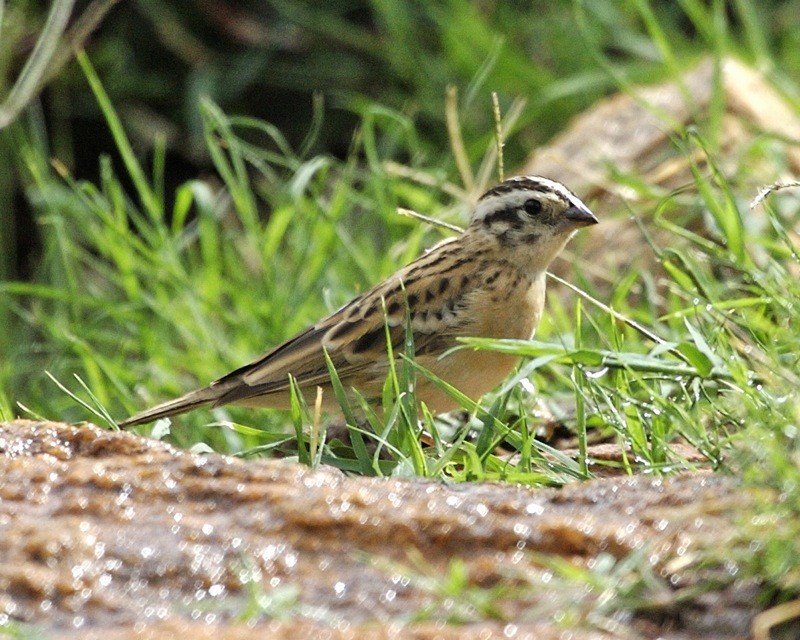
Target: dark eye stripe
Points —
{"points": [[510, 216]]}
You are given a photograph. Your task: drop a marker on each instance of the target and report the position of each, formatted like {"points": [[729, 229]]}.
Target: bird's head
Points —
{"points": [[531, 215]]}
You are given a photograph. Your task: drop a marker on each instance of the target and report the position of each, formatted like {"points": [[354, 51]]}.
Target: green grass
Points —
{"points": [[142, 295], [141, 303]]}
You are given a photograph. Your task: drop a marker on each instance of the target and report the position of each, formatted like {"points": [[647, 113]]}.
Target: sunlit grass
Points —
{"points": [[143, 295], [168, 300]]}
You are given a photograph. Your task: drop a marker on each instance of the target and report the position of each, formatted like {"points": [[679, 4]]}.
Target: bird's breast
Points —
{"points": [[511, 310]]}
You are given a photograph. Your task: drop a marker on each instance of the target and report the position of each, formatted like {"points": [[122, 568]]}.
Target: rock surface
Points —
{"points": [[107, 534]]}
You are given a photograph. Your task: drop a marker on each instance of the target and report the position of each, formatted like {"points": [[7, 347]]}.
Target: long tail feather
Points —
{"points": [[191, 400]]}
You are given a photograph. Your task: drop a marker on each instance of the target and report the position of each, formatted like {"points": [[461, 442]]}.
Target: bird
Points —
{"points": [[489, 282]]}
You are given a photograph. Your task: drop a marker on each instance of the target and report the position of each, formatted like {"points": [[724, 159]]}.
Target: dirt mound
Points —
{"points": [[104, 533]]}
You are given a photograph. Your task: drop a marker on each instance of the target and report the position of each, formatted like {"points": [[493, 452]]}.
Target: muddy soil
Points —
{"points": [[107, 534]]}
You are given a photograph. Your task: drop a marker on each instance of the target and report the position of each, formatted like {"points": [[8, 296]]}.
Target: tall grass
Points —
{"points": [[142, 295], [144, 303]]}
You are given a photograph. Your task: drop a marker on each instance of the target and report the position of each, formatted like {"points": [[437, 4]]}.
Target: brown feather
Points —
{"points": [[487, 282]]}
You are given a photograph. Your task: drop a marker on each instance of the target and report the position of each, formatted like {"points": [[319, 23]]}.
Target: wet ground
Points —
{"points": [[108, 534]]}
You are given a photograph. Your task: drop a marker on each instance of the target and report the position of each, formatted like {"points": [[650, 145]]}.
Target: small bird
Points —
{"points": [[487, 282]]}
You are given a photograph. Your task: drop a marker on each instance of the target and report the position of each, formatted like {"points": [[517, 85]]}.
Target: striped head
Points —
{"points": [[530, 211]]}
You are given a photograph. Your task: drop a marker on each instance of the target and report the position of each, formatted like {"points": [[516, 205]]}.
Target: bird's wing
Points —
{"points": [[355, 335]]}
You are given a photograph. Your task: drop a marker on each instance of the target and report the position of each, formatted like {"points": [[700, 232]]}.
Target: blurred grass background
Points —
{"points": [[268, 60], [212, 176]]}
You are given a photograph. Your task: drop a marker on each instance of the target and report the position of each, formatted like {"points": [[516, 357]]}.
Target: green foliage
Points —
{"points": [[136, 283], [146, 289]]}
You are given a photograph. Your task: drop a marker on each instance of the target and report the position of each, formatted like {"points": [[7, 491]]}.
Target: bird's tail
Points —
{"points": [[191, 400]]}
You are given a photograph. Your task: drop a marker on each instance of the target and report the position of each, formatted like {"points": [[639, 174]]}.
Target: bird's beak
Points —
{"points": [[580, 216]]}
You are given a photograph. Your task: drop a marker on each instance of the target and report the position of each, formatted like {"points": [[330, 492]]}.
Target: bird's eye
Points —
{"points": [[532, 207]]}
